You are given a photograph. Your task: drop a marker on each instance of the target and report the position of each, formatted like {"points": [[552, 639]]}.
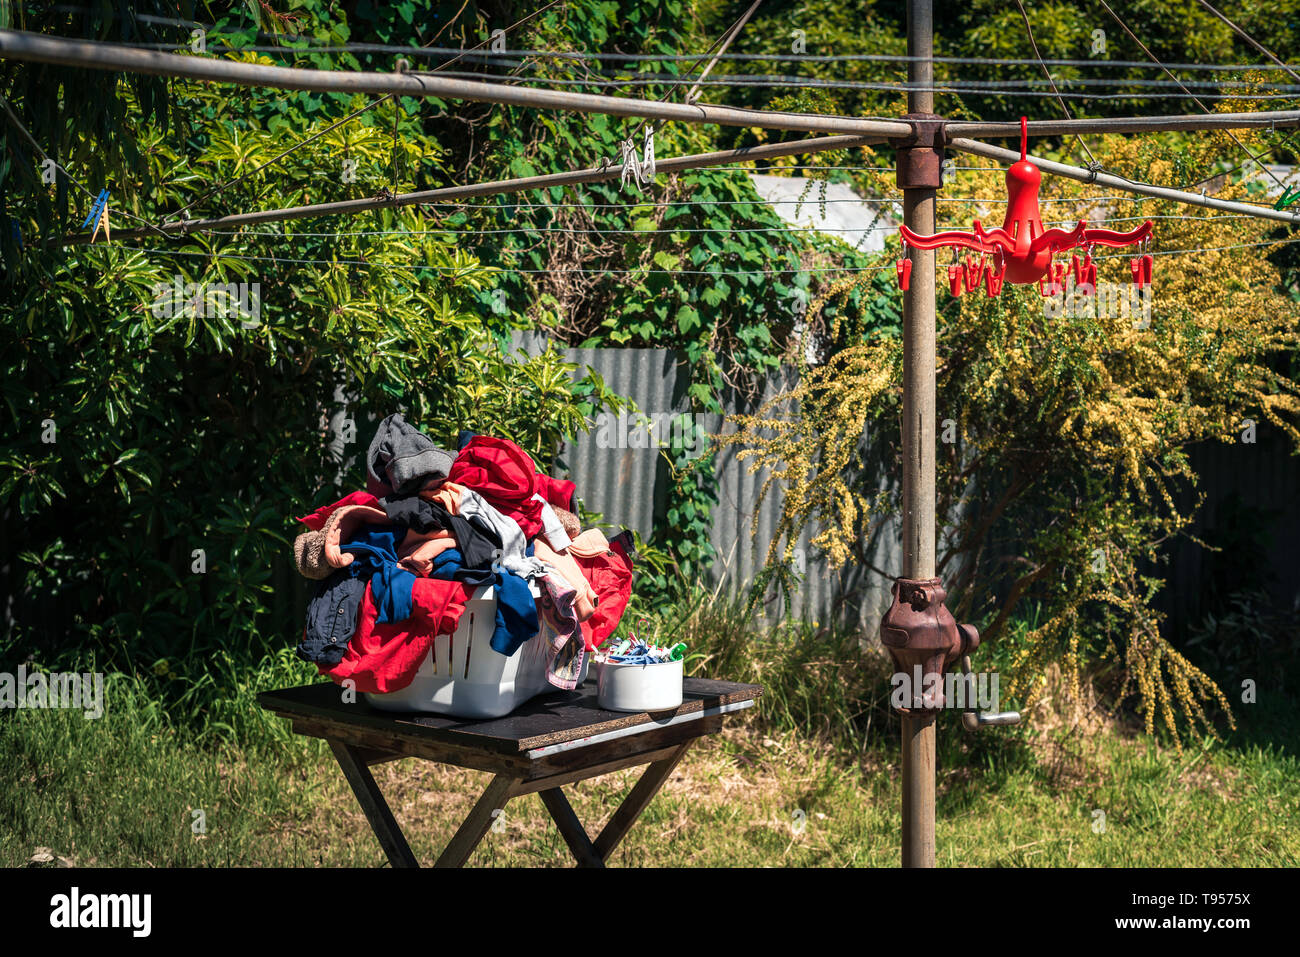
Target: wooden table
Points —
{"points": [[554, 740]]}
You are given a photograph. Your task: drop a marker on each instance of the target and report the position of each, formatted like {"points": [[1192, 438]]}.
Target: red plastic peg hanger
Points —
{"points": [[1028, 246]]}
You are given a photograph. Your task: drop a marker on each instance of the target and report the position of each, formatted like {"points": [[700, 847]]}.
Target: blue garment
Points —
{"points": [[375, 551], [332, 617], [516, 613]]}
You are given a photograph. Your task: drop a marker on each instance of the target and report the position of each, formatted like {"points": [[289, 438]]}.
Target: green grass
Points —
{"points": [[110, 793], [808, 778]]}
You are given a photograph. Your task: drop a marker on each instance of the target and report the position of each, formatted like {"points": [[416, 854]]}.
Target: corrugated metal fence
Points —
{"points": [[626, 478]]}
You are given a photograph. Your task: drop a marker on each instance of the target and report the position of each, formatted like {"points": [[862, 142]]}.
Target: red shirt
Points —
{"points": [[507, 478], [382, 658], [610, 574]]}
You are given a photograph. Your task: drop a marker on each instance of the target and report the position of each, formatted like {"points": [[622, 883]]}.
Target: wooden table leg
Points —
{"points": [[475, 828], [637, 800], [373, 804], [571, 828]]}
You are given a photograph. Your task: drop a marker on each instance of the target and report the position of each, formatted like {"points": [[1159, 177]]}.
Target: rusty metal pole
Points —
{"points": [[919, 440]]}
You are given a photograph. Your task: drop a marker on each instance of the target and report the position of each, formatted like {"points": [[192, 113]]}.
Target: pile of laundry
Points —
{"points": [[397, 562]]}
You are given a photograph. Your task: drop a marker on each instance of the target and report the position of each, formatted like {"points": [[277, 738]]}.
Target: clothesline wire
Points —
{"points": [[458, 269], [814, 201], [637, 272], [963, 84], [973, 87], [745, 167], [581, 230], [650, 204], [1055, 92], [683, 57], [950, 85]]}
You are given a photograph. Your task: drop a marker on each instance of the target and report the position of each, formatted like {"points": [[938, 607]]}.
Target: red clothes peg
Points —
{"points": [[1089, 271], [974, 273], [1135, 269], [956, 275], [904, 273], [1077, 268], [1047, 288], [1148, 265], [996, 274], [1058, 274]]}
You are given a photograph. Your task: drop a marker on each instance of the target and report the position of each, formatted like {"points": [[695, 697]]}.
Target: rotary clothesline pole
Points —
{"points": [[918, 725]]}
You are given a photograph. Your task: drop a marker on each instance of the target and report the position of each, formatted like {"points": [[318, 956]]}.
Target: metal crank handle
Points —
{"points": [[973, 720]]}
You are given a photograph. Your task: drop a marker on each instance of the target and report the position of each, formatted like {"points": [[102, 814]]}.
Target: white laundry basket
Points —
{"points": [[463, 676]]}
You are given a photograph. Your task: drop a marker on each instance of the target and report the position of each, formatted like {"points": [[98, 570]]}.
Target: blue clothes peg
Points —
{"points": [[98, 214]]}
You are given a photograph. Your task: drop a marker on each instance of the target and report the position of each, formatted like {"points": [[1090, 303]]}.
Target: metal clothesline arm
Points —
{"points": [[1118, 182], [672, 164], [33, 47], [1266, 119]]}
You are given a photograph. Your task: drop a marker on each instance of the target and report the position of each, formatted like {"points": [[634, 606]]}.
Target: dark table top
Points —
{"points": [[554, 718]]}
